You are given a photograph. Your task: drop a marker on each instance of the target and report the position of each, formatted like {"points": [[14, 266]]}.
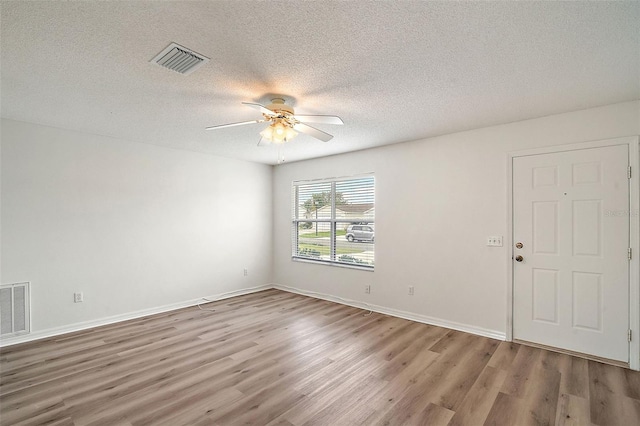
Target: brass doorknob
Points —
{"points": [[519, 258]]}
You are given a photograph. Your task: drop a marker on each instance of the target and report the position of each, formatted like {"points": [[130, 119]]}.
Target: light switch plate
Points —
{"points": [[495, 241]]}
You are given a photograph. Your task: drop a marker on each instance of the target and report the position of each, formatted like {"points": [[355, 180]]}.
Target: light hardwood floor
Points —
{"points": [[278, 358]]}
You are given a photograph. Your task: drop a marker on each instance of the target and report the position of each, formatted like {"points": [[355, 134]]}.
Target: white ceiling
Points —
{"points": [[394, 71]]}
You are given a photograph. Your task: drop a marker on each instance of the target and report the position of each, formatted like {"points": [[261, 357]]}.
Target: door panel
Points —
{"points": [[587, 301], [571, 289], [545, 295], [545, 227], [587, 225]]}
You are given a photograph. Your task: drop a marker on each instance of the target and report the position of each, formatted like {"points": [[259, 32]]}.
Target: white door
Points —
{"points": [[571, 283]]}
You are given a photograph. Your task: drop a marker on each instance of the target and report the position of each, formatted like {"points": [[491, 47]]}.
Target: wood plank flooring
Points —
{"points": [[277, 358]]}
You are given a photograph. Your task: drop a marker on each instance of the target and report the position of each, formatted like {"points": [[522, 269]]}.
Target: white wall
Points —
{"points": [[436, 202], [136, 226], [133, 226]]}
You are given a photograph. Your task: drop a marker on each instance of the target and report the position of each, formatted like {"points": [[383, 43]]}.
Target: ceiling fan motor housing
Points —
{"points": [[277, 105]]}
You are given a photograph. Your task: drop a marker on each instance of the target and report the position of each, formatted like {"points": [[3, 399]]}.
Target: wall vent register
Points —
{"points": [[14, 309]]}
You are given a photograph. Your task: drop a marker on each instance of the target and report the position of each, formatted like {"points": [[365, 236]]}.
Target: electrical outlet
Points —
{"points": [[78, 297], [410, 290], [495, 241], [367, 289], [246, 272]]}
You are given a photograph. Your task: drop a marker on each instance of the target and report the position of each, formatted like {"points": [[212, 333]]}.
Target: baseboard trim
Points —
{"points": [[492, 334], [57, 331]]}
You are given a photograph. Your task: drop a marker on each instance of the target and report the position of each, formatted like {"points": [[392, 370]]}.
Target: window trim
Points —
{"points": [[333, 222]]}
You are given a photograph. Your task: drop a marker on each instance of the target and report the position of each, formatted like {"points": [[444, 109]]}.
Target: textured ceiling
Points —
{"points": [[394, 71]]}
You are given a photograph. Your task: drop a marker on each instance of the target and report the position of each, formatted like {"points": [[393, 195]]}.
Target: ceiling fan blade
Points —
{"points": [[242, 123], [324, 119], [312, 131], [263, 109]]}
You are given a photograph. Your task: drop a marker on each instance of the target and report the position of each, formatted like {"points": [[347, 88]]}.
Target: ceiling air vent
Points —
{"points": [[180, 59]]}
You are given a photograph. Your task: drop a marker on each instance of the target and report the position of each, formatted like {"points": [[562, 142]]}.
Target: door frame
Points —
{"points": [[633, 143]]}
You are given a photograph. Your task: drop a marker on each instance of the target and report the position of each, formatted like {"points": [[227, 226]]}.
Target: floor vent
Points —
{"points": [[14, 309], [180, 59]]}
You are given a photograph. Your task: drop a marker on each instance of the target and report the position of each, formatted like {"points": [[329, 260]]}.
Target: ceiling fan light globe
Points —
{"points": [[279, 129], [290, 133], [267, 133]]}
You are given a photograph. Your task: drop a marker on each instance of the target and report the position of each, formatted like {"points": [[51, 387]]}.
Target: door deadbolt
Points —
{"points": [[519, 245], [519, 258]]}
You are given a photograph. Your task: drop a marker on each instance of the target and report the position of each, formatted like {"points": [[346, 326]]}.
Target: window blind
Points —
{"points": [[333, 221]]}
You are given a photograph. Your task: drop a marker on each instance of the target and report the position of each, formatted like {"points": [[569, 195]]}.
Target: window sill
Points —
{"points": [[328, 263]]}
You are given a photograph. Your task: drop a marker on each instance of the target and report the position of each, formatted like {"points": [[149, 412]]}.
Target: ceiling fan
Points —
{"points": [[284, 122]]}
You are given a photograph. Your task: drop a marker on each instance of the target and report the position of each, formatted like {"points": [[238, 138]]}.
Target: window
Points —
{"points": [[333, 221]]}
